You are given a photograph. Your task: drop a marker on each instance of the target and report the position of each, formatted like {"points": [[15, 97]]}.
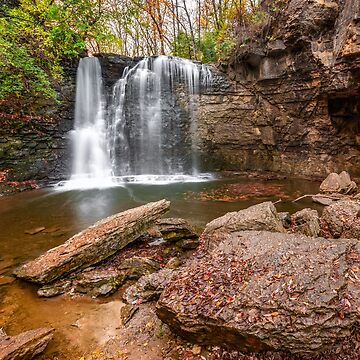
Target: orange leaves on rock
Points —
{"points": [[239, 192]]}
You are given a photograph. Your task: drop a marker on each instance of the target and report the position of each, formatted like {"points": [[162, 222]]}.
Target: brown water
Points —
{"points": [[63, 214]]}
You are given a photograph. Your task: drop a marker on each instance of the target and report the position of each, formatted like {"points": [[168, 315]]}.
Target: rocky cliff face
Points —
{"points": [[288, 104], [38, 147], [293, 102]]}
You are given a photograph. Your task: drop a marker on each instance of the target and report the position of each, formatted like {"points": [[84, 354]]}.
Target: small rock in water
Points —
{"points": [[5, 280], [34, 231]]}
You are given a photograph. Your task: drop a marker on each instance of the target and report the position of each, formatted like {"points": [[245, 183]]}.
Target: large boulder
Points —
{"points": [[338, 183], [261, 216], [260, 290], [342, 219], [306, 221], [26, 345], [93, 244]]}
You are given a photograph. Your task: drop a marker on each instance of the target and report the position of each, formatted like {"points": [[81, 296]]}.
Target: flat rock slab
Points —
{"points": [[26, 345], [93, 244], [260, 290]]}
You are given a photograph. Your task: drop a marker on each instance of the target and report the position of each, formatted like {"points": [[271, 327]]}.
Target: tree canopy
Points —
{"points": [[37, 35]]}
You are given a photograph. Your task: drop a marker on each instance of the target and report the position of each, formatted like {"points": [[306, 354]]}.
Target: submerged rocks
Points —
{"points": [[25, 346], [342, 219], [93, 244], [262, 216], [306, 222], [261, 290]]}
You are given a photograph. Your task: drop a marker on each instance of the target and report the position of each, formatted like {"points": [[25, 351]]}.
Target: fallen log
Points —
{"points": [[25, 345], [93, 244]]}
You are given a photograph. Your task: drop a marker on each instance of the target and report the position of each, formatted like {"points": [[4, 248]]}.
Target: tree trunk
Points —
{"points": [[93, 244]]}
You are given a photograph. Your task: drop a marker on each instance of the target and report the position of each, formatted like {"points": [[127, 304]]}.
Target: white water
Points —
{"points": [[91, 162], [135, 144], [151, 148]]}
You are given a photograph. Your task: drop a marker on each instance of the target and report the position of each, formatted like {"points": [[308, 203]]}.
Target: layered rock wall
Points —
{"points": [[293, 102]]}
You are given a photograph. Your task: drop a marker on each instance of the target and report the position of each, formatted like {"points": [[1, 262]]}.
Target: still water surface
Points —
{"points": [[63, 214]]}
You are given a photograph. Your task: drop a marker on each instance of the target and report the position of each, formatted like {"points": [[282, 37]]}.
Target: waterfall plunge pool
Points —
{"points": [[64, 213]]}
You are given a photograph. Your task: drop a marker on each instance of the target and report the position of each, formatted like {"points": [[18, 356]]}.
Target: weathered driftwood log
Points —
{"points": [[25, 345], [93, 244]]}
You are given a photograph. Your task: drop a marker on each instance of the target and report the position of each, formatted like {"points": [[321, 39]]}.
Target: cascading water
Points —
{"points": [[91, 162], [150, 138], [149, 131]]}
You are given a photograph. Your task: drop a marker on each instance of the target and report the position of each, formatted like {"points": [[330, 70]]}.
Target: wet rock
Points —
{"points": [[322, 200], [338, 183], [257, 217], [137, 266], [174, 229], [35, 231], [285, 219], [188, 244], [93, 244], [25, 345], [173, 263], [93, 282], [342, 219], [261, 290], [101, 281], [6, 280], [306, 222], [127, 312], [148, 287]]}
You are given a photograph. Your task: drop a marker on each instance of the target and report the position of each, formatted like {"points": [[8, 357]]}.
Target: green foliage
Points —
{"points": [[182, 45], [37, 36], [208, 48]]}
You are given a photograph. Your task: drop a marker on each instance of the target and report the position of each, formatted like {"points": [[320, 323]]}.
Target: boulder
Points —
{"points": [[26, 345], [93, 244], [148, 287], [338, 183], [306, 221], [262, 216], [261, 290], [341, 219]]}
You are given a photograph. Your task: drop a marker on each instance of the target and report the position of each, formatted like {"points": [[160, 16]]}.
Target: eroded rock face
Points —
{"points": [[261, 290], [294, 110], [342, 219], [261, 216]]}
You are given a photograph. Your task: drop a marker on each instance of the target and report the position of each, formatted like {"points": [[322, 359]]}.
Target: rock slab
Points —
{"points": [[93, 244], [260, 290], [25, 345], [261, 216]]}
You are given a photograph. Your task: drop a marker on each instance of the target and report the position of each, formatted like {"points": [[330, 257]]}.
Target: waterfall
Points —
{"points": [[148, 136], [91, 162], [148, 129]]}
